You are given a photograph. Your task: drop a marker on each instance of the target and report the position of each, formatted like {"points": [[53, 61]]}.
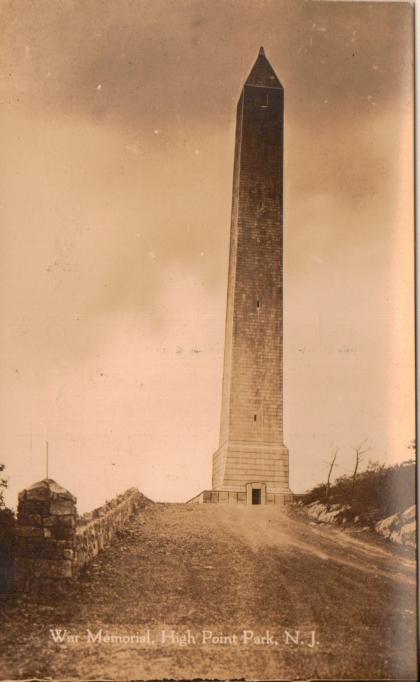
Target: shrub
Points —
{"points": [[7, 541], [379, 491]]}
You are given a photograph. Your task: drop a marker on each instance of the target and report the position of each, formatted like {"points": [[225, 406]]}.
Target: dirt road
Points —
{"points": [[207, 591]]}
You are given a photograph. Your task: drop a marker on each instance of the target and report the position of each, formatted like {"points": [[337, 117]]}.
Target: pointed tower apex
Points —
{"points": [[262, 73]]}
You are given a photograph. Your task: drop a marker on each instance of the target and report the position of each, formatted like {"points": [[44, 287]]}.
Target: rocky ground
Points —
{"points": [[225, 571], [399, 528]]}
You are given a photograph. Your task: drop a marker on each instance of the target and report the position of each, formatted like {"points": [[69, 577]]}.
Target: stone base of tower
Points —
{"points": [[253, 494], [238, 463], [249, 473]]}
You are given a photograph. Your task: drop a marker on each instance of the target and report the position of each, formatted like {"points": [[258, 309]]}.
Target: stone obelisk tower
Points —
{"points": [[251, 464]]}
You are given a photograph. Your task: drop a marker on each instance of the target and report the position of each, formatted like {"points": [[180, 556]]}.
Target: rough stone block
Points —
{"points": [[29, 531], [387, 525], [38, 494], [61, 506], [39, 548], [409, 514], [33, 507], [45, 568], [30, 519], [62, 532], [408, 534]]}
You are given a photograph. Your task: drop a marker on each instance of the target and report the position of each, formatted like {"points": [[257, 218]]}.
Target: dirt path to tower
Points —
{"points": [[211, 592]]}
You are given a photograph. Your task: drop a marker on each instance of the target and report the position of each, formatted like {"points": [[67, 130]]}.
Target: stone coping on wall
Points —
{"points": [[95, 530], [108, 506]]}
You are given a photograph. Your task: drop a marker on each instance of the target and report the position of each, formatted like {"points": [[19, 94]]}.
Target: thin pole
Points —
{"points": [[47, 458]]}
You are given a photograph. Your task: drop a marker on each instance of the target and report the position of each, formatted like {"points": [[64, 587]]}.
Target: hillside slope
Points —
{"points": [[377, 492], [224, 570]]}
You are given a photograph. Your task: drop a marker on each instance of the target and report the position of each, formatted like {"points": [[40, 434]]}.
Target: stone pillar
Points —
{"points": [[45, 536]]}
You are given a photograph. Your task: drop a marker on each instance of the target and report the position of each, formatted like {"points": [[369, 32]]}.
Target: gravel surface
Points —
{"points": [[185, 582]]}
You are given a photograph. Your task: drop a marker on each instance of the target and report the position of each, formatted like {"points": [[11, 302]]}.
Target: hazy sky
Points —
{"points": [[117, 136]]}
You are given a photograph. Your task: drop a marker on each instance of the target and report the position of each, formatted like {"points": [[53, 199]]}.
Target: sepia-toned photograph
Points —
{"points": [[207, 350]]}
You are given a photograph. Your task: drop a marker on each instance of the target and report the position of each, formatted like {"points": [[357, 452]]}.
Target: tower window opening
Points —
{"points": [[264, 101], [258, 304], [260, 204], [255, 417]]}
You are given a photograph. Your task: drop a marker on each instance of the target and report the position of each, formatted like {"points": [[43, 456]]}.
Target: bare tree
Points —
{"points": [[3, 485], [359, 451], [327, 489]]}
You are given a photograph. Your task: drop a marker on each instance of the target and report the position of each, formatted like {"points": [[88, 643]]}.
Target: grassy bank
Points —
{"points": [[377, 492]]}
